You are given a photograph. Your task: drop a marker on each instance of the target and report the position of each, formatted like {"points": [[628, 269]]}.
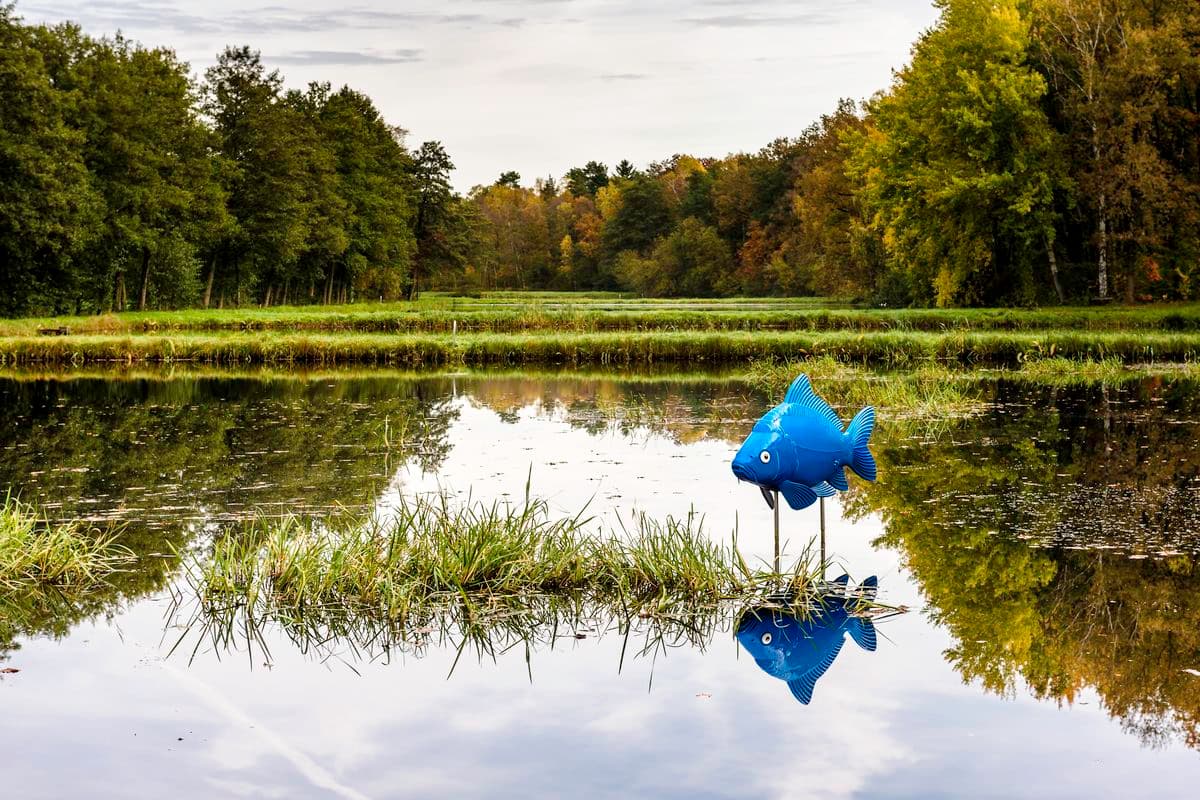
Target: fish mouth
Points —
{"points": [[742, 472]]}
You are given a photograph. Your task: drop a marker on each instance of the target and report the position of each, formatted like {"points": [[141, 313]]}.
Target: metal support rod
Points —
{"points": [[778, 568], [822, 538]]}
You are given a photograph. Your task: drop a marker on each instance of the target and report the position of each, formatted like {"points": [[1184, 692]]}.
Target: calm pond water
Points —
{"points": [[1046, 547]]}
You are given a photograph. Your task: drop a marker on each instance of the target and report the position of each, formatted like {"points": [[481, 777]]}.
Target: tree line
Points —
{"points": [[125, 183], [1032, 151]]}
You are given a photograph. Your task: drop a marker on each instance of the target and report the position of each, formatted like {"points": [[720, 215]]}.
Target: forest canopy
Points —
{"points": [[1031, 151]]}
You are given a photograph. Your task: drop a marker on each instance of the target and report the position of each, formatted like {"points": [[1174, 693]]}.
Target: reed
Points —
{"points": [[929, 390], [35, 554], [516, 313], [1059, 370], [624, 349], [432, 552]]}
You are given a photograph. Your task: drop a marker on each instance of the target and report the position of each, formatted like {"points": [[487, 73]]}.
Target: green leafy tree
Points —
{"points": [[445, 227], [267, 144], [639, 219], [692, 261], [48, 207], [149, 155], [588, 179], [960, 165]]}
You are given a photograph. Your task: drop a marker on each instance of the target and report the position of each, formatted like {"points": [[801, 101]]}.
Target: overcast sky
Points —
{"points": [[542, 85]]}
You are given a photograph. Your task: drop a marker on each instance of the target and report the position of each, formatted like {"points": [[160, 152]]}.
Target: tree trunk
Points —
{"points": [[267, 298], [119, 291], [212, 271], [1102, 267], [1129, 289], [328, 298], [145, 278], [1054, 271]]}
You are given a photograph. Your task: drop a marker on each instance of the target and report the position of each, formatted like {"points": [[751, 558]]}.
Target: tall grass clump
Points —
{"points": [[929, 389], [35, 554], [478, 577], [433, 552], [1059, 370]]}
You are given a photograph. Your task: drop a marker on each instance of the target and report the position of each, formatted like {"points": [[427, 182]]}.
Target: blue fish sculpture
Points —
{"points": [[799, 650], [799, 449]]}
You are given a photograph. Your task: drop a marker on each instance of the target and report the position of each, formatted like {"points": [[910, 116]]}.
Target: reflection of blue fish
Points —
{"points": [[800, 449], [800, 650]]}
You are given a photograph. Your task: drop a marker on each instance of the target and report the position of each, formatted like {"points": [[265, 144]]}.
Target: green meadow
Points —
{"points": [[600, 330]]}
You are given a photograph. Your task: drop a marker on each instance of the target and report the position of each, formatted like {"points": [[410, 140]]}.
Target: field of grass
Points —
{"points": [[553, 348], [534, 312], [600, 331]]}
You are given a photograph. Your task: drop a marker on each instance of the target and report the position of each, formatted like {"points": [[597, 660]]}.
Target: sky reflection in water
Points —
{"points": [[1021, 671]]}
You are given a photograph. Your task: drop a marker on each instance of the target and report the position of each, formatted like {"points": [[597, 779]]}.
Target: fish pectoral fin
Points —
{"points": [[797, 494], [823, 489], [825, 663], [769, 496], [838, 480], [862, 631]]}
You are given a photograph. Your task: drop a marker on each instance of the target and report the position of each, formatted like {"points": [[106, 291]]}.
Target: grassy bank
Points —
{"points": [[894, 348], [511, 314], [36, 555]]}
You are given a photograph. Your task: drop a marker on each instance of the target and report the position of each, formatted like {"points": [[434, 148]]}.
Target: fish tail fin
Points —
{"points": [[859, 431]]}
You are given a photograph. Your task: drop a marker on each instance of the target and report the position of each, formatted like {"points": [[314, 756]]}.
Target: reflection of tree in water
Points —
{"points": [[1073, 469], [164, 456], [55, 611], [154, 451], [684, 410]]}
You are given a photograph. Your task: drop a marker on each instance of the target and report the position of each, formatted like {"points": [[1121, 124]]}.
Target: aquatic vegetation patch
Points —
{"points": [[481, 577], [431, 552], [1059, 370], [931, 389], [35, 554]]}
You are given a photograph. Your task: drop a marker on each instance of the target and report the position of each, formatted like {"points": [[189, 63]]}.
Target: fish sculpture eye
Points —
{"points": [[766, 638], [764, 457]]}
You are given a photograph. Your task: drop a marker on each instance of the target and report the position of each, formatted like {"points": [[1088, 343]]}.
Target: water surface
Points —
{"points": [[1046, 548]]}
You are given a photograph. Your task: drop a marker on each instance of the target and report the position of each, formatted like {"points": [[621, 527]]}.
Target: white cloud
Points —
{"points": [[543, 85]]}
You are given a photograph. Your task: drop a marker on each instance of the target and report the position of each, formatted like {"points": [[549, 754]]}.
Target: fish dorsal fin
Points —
{"points": [[797, 495], [838, 480], [801, 393], [823, 489], [862, 631]]}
